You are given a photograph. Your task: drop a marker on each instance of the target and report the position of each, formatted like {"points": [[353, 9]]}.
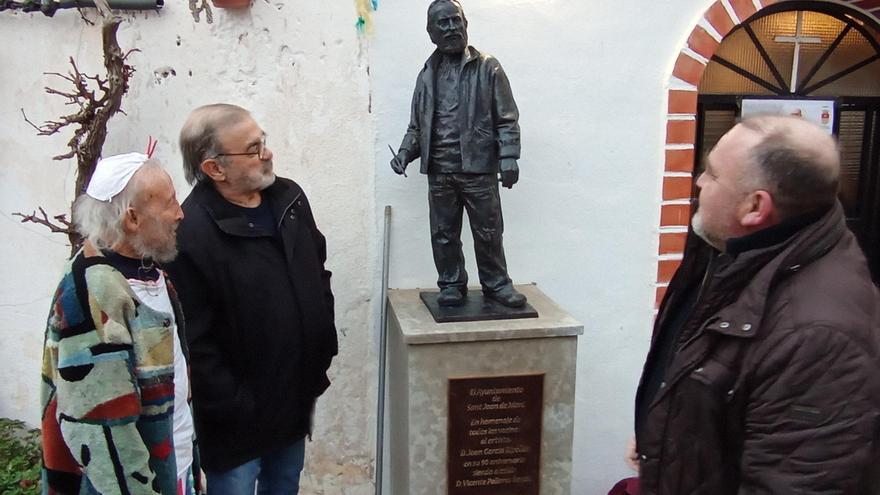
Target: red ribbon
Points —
{"points": [[151, 146]]}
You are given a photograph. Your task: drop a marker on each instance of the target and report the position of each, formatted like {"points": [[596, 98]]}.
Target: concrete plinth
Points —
{"points": [[424, 355]]}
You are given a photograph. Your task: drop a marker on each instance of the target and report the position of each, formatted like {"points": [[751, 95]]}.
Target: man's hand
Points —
{"points": [[399, 163], [632, 457], [509, 172]]}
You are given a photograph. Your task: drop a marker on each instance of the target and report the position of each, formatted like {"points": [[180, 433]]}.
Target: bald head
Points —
{"points": [[795, 160]]}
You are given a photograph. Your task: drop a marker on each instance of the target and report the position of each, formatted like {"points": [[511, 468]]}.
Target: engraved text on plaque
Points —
{"points": [[495, 435]]}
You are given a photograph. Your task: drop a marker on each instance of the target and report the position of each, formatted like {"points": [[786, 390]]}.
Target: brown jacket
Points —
{"points": [[775, 386]]}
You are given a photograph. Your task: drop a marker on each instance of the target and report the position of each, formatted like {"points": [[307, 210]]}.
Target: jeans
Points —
{"points": [[276, 473]]}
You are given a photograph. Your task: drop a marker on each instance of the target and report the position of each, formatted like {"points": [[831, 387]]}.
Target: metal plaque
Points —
{"points": [[494, 436]]}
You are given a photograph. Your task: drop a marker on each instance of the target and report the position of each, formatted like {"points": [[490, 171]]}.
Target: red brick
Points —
{"points": [[719, 19], [661, 291], [743, 8], [672, 243], [767, 3], [674, 216], [666, 269], [677, 188], [682, 102], [679, 161], [688, 69], [681, 131], [702, 42]]}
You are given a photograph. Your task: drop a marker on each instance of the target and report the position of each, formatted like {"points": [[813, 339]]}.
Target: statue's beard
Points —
{"points": [[452, 45]]}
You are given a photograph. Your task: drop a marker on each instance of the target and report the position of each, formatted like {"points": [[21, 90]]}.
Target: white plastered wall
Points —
{"points": [[302, 70], [589, 78]]}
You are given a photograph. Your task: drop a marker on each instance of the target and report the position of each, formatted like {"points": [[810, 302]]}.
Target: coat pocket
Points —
{"points": [[717, 377]]}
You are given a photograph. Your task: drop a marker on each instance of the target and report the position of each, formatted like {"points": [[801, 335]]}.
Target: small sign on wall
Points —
{"points": [[819, 112]]}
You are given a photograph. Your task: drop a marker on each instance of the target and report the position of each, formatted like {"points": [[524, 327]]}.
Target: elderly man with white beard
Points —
{"points": [[116, 417]]}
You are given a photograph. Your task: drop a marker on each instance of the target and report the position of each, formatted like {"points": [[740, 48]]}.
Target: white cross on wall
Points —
{"points": [[797, 39]]}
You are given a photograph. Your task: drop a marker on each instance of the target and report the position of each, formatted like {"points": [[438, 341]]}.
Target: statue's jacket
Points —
{"points": [[488, 116], [107, 386]]}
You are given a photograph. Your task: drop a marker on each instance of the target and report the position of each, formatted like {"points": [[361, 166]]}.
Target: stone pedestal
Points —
{"points": [[424, 356]]}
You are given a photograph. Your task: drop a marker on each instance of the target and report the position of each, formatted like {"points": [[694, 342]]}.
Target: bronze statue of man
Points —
{"points": [[463, 126]]}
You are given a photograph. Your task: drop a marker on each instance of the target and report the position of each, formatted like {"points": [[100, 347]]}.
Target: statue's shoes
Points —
{"points": [[507, 296], [451, 296]]}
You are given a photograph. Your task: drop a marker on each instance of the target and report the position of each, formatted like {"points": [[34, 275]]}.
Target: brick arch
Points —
{"points": [[681, 129]]}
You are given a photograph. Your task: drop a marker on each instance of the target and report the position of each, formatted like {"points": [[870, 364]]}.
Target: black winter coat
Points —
{"points": [[259, 315], [775, 388]]}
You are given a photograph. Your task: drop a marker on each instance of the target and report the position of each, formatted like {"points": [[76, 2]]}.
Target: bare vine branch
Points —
{"points": [[94, 108], [43, 219], [26, 119]]}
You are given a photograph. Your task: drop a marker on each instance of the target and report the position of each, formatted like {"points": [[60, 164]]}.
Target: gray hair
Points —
{"points": [[436, 4], [101, 221], [199, 136], [799, 163]]}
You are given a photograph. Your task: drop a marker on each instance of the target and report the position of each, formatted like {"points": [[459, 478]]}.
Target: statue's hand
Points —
{"points": [[509, 172], [398, 163]]}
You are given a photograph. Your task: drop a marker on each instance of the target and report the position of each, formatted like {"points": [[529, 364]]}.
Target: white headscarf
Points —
{"points": [[113, 173]]}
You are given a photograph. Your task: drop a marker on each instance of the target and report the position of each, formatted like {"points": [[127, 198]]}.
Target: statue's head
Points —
{"points": [[447, 26]]}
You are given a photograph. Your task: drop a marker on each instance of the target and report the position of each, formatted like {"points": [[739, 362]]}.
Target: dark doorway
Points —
{"points": [[807, 51]]}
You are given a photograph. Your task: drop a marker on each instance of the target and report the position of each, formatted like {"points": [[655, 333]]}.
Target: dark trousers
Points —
{"points": [[448, 195]]}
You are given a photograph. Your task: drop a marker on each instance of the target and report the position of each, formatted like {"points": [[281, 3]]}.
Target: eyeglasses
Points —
{"points": [[260, 151]]}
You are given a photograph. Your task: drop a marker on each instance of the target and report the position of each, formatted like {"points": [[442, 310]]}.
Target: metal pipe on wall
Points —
{"points": [[49, 7], [383, 338]]}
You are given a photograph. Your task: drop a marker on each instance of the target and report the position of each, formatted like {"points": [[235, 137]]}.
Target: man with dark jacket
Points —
{"points": [[764, 369], [463, 126], [258, 305]]}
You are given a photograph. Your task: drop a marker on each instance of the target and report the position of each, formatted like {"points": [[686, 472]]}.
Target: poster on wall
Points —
{"points": [[820, 112]]}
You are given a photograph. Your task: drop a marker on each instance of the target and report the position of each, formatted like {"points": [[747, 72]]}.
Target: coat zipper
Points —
{"points": [[709, 270], [690, 340]]}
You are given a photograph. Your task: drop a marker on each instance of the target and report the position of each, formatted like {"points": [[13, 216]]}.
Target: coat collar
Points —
{"points": [[773, 235], [281, 195], [468, 55], [756, 272]]}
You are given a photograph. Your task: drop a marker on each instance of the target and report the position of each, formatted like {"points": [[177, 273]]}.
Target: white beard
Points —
{"points": [[164, 252], [697, 224]]}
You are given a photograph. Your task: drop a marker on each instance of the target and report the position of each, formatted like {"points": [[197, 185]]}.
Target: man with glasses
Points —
{"points": [[257, 302]]}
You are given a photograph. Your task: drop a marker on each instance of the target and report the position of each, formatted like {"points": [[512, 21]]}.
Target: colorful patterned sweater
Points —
{"points": [[107, 388]]}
